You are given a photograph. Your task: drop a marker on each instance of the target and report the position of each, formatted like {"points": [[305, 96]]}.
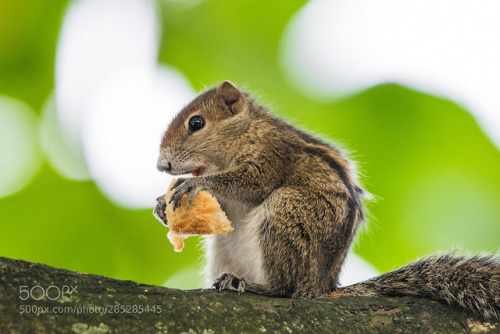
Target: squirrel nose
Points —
{"points": [[163, 165]]}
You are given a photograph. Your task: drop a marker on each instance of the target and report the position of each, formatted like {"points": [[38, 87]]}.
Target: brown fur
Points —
{"points": [[470, 282], [311, 201]]}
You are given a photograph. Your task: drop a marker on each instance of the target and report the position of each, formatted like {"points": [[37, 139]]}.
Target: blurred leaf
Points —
{"points": [[28, 36], [219, 40], [20, 153]]}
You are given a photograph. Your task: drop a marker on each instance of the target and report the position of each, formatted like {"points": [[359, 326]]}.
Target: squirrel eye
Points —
{"points": [[196, 123]]}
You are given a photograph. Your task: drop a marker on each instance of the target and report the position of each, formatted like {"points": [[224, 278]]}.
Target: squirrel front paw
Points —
{"points": [[228, 281], [159, 211], [182, 186]]}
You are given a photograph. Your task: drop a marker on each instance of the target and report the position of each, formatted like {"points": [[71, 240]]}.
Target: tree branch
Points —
{"points": [[84, 303]]}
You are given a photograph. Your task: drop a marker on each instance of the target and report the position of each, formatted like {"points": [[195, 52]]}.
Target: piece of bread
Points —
{"points": [[204, 216]]}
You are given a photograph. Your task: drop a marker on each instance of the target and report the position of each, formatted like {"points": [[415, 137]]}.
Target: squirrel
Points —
{"points": [[295, 204]]}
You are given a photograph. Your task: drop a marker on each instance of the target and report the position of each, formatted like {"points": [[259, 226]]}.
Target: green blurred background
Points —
{"points": [[434, 173]]}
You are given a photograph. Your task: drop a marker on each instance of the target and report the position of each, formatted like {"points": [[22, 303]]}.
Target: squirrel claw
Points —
{"points": [[178, 182], [181, 187], [192, 194], [159, 210], [176, 197]]}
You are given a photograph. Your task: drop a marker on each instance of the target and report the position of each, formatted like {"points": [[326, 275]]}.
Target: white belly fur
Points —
{"points": [[238, 252]]}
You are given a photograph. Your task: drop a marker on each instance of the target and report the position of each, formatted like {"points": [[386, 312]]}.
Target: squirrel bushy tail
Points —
{"points": [[470, 282]]}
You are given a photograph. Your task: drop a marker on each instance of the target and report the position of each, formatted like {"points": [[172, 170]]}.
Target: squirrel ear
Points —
{"points": [[231, 96]]}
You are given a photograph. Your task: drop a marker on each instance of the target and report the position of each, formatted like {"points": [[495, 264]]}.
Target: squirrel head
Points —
{"points": [[199, 138]]}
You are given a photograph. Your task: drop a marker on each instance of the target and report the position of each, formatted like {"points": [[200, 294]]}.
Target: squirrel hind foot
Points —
{"points": [[229, 281]]}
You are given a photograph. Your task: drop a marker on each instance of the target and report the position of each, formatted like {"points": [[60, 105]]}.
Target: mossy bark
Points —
{"points": [[104, 305]]}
